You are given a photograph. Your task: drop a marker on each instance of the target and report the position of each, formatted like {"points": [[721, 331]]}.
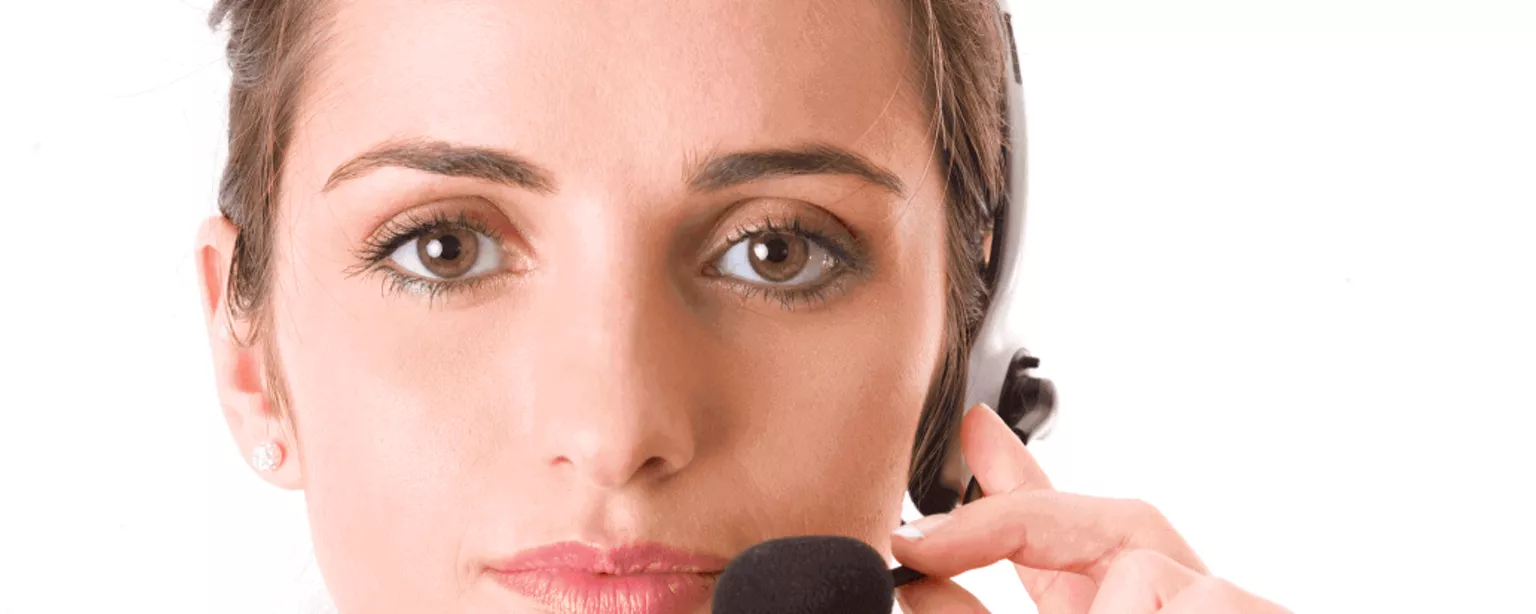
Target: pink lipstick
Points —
{"points": [[577, 578]]}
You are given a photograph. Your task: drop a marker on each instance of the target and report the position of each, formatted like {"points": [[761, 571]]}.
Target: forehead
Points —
{"points": [[591, 87]]}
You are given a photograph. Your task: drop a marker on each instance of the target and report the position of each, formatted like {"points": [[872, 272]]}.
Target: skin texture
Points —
{"points": [[609, 380], [606, 387], [1075, 554]]}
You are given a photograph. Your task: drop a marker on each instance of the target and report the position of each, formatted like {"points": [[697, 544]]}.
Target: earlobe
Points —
{"points": [[239, 368]]}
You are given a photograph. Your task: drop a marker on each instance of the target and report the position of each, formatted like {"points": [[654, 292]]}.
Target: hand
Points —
{"points": [[1075, 554]]}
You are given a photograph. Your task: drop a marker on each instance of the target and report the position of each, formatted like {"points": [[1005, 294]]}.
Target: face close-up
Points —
{"points": [[647, 282]]}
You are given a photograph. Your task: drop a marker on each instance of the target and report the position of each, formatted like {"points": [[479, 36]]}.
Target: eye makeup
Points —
{"points": [[376, 253], [842, 259], [774, 236]]}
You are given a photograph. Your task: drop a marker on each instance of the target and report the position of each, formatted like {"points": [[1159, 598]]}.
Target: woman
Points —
{"points": [[557, 306]]}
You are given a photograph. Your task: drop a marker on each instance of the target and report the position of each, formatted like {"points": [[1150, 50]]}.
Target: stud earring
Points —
{"points": [[267, 456]]}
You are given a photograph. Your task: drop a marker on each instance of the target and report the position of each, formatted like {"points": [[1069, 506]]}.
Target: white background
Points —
{"points": [[1280, 260]]}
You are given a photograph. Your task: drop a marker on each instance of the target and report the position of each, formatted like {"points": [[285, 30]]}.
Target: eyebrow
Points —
{"points": [[716, 173]]}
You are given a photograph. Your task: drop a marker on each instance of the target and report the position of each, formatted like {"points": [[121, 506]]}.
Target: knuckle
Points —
{"points": [[1144, 513], [1137, 564], [1142, 510], [1216, 592], [1143, 559], [1148, 528]]}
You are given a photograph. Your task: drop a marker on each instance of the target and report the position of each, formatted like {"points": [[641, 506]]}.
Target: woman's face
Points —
{"points": [[655, 273]]}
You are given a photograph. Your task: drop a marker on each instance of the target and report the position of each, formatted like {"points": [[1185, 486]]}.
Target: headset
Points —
{"points": [[999, 366]]}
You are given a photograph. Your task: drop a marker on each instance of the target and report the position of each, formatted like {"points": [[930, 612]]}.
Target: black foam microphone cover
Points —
{"points": [[806, 575]]}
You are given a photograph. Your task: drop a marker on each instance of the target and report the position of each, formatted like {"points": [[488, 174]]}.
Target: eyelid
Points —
{"points": [[814, 223], [474, 214], [843, 253], [852, 263], [485, 245]]}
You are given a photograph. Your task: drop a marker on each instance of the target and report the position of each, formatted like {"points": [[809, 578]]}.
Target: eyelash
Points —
{"points": [[848, 257], [397, 232]]}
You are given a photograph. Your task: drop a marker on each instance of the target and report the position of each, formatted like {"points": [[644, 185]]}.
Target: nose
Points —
{"points": [[615, 444], [617, 379]]}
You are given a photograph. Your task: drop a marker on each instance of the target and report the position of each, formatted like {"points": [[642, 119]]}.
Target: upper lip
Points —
{"points": [[636, 558]]}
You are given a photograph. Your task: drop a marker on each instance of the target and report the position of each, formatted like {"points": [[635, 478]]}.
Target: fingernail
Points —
{"points": [[922, 527], [968, 410]]}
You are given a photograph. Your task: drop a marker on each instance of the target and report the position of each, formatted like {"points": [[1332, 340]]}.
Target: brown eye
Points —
{"points": [[448, 252], [777, 259]]}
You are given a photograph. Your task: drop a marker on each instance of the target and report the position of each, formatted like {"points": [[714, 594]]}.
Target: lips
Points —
{"points": [[577, 578]]}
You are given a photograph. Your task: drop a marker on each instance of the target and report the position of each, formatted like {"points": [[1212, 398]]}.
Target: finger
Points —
{"points": [[1057, 591], [1045, 530], [1141, 582], [995, 454], [937, 596], [1213, 595], [1002, 464]]}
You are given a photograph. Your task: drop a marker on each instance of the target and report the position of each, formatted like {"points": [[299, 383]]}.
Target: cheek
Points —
{"points": [[825, 431], [828, 412], [389, 443]]}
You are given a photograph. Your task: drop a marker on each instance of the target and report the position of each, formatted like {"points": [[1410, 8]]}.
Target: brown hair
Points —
{"points": [[957, 49]]}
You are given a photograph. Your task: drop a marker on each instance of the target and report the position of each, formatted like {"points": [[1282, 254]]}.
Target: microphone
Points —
{"points": [[818, 574]]}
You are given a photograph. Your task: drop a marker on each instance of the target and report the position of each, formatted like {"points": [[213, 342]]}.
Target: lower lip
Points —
{"points": [[571, 591]]}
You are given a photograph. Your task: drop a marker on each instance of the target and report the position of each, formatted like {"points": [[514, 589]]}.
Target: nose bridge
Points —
{"points": [[612, 398]]}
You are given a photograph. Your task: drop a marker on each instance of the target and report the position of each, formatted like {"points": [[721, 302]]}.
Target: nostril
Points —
{"points": [[653, 464], [613, 469]]}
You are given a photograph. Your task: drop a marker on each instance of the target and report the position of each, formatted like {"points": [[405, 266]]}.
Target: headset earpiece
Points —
{"points": [[1027, 403], [998, 371]]}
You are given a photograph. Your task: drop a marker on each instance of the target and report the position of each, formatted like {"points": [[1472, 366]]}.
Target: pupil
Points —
{"points": [[446, 247], [773, 250]]}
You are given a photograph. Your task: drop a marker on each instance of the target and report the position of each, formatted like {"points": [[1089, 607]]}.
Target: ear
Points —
{"points": [[986, 247], [239, 370]]}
